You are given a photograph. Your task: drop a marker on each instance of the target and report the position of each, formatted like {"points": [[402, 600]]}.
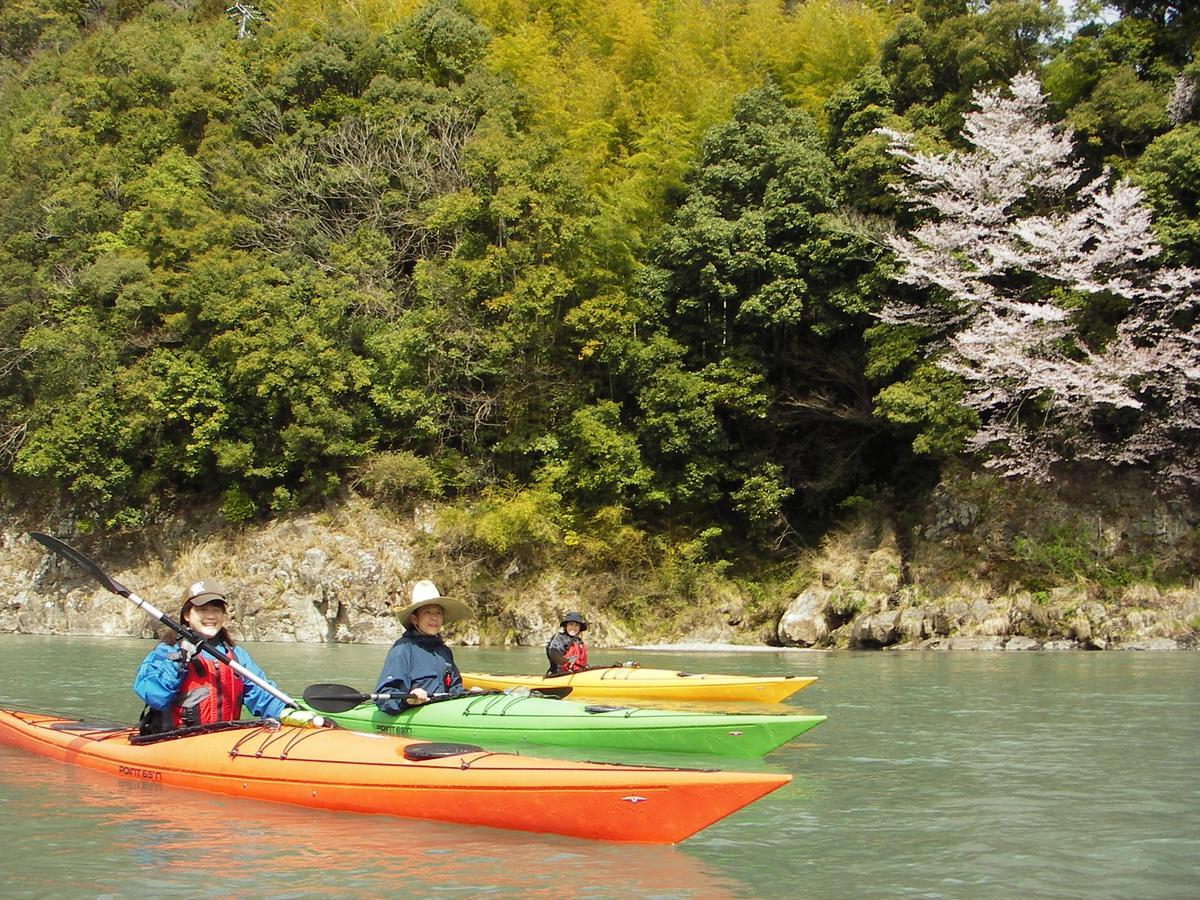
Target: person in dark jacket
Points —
{"points": [[566, 650], [184, 687], [420, 667]]}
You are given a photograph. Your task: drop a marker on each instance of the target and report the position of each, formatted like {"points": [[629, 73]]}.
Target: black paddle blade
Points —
{"points": [[54, 545], [333, 698]]}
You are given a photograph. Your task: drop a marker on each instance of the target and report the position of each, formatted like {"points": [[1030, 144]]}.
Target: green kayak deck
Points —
{"points": [[510, 719]]}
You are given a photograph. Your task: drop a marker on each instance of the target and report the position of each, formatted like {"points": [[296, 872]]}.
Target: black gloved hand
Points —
{"points": [[186, 654]]}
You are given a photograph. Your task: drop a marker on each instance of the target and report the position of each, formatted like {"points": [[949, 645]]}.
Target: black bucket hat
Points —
{"points": [[574, 617]]}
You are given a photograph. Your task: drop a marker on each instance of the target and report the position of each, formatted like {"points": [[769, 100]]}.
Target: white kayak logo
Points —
{"points": [[634, 799]]}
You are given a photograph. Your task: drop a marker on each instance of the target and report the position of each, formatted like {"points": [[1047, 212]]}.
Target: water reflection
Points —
{"points": [[936, 775], [100, 834]]}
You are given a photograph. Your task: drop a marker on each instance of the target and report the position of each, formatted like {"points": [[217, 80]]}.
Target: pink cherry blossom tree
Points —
{"points": [[1017, 249]]}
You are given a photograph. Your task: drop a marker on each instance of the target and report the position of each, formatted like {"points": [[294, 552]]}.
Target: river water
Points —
{"points": [[936, 775]]}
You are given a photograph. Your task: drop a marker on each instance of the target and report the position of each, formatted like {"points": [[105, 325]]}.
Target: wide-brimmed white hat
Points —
{"points": [[425, 593]]}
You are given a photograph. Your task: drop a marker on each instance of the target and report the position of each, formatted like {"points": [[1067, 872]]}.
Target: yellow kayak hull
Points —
{"points": [[648, 684]]}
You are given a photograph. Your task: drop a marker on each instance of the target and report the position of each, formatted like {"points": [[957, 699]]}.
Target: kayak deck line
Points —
{"points": [[257, 729]]}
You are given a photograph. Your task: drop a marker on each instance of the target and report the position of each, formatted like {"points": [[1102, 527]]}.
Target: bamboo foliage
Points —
{"points": [[623, 254]]}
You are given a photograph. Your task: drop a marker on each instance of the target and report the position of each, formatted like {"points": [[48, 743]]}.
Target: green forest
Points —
{"points": [[712, 272]]}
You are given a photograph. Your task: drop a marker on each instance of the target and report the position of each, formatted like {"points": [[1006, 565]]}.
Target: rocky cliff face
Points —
{"points": [[1092, 563], [983, 564], [335, 577]]}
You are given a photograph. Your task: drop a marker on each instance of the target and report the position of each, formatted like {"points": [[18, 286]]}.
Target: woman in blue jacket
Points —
{"points": [[420, 666]]}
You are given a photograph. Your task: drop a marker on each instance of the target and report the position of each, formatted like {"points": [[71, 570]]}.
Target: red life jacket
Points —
{"points": [[221, 703], [576, 655]]}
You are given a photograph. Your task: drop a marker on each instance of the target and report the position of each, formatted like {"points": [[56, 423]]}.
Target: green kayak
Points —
{"points": [[498, 718]]}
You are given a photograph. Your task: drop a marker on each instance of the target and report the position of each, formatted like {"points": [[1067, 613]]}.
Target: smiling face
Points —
{"points": [[207, 620], [428, 619], [572, 628]]}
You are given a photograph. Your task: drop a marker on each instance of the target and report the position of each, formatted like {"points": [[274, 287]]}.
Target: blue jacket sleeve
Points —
{"points": [[158, 678], [260, 702], [557, 646], [396, 677]]}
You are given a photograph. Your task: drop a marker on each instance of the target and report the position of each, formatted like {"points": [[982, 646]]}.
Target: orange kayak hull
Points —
{"points": [[328, 768]]}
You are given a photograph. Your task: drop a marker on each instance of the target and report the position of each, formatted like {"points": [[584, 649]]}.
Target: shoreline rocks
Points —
{"points": [[338, 576]]}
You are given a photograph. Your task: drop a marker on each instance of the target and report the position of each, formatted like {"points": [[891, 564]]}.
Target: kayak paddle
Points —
{"points": [[340, 698], [337, 698], [73, 555]]}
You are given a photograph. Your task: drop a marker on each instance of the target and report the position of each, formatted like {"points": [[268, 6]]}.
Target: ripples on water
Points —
{"points": [[936, 775]]}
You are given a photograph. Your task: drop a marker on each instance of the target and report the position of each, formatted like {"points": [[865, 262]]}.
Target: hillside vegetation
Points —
{"points": [[677, 288]]}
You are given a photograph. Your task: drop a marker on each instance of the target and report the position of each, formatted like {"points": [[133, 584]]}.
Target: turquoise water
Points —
{"points": [[936, 775]]}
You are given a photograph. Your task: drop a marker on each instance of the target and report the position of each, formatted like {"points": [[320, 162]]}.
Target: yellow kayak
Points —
{"points": [[647, 684]]}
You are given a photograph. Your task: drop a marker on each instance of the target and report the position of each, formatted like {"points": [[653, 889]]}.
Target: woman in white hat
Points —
{"points": [[420, 666]]}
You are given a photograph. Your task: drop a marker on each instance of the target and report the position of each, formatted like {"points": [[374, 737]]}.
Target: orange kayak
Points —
{"points": [[330, 768], [647, 684]]}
